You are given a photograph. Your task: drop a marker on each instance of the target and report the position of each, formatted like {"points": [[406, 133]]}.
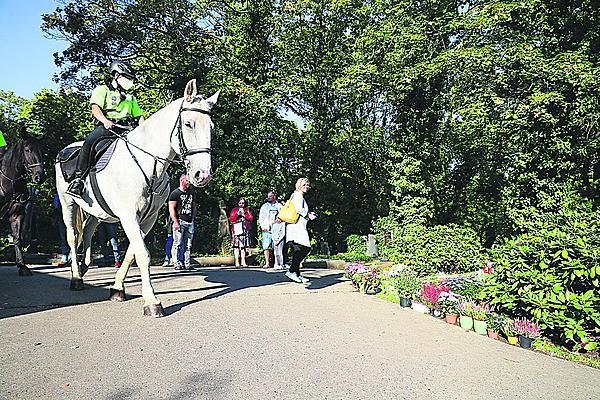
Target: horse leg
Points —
{"points": [[117, 291], [136, 234], [16, 225], [70, 218], [89, 227]]}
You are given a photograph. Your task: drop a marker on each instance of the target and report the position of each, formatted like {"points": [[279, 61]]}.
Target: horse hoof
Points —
{"points": [[24, 271], [155, 310], [117, 295], [76, 284]]}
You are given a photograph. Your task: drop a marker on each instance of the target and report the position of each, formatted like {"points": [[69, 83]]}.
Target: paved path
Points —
{"points": [[250, 334]]}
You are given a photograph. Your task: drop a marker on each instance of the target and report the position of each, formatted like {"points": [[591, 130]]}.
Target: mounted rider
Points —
{"points": [[112, 105]]}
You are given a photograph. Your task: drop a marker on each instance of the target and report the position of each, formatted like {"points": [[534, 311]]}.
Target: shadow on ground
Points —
{"points": [[235, 279], [48, 288]]}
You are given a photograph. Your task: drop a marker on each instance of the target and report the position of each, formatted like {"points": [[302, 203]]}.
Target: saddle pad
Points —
{"points": [[105, 157], [67, 157]]}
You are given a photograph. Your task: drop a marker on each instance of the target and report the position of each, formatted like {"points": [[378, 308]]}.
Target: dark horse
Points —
{"points": [[17, 160]]}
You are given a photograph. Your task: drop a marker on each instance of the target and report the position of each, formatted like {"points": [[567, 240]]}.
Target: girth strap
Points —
{"points": [[98, 194]]}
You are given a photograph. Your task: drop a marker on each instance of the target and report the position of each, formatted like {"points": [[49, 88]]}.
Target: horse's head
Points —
{"points": [[192, 141], [32, 160]]}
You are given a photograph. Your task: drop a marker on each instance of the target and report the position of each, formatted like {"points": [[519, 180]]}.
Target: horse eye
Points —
{"points": [[188, 124]]}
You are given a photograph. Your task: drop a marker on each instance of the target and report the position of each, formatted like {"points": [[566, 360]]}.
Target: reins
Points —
{"points": [[183, 150]]}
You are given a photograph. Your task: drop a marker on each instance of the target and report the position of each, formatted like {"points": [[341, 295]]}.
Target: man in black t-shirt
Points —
{"points": [[182, 209]]}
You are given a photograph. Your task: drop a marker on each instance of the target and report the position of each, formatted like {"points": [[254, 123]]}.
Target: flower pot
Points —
{"points": [[513, 340], [466, 322], [525, 342], [480, 327], [451, 318], [492, 334], [405, 302], [420, 307], [436, 313]]}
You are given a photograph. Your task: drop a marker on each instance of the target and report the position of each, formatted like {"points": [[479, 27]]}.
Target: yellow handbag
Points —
{"points": [[288, 213]]}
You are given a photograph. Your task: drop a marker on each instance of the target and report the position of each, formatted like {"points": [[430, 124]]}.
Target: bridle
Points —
{"points": [[184, 152], [21, 176]]}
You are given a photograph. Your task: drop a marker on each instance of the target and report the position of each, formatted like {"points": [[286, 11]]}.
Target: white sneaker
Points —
{"points": [[293, 276], [303, 279], [165, 264], [279, 267]]}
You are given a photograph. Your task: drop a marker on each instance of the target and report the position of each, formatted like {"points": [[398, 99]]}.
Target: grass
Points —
{"points": [[546, 347]]}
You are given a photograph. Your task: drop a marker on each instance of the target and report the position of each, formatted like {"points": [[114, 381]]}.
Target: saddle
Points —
{"points": [[101, 154]]}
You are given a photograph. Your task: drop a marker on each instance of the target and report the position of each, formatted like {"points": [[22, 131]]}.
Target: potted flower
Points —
{"points": [[406, 283], [465, 310], [495, 322], [480, 313], [447, 302], [370, 281], [418, 304], [354, 272], [509, 332], [430, 293], [527, 331]]}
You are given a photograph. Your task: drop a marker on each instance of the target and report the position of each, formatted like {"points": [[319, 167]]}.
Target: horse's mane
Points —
{"points": [[11, 156]]}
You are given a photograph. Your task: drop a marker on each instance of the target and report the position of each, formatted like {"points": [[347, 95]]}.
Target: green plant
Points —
{"points": [[448, 302], [495, 322], [406, 282], [465, 307], [480, 312], [551, 273], [355, 243], [352, 257], [441, 248], [526, 328], [507, 328]]}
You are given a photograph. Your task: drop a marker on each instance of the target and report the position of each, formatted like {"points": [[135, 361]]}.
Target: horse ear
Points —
{"points": [[212, 100], [190, 91]]}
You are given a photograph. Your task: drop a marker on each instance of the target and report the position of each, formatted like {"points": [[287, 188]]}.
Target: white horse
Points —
{"points": [[134, 185]]}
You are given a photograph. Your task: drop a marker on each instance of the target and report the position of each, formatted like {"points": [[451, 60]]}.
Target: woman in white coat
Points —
{"points": [[296, 234]]}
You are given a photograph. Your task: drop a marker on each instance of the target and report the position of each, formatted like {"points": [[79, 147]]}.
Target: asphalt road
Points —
{"points": [[252, 334]]}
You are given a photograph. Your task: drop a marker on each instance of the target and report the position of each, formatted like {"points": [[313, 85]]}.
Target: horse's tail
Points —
{"points": [[78, 225]]}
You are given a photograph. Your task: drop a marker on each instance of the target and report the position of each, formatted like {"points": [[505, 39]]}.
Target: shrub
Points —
{"points": [[356, 250], [442, 248], [550, 273], [352, 257], [356, 244]]}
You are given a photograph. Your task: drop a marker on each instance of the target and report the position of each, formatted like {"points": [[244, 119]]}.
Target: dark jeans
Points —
{"points": [[299, 253], [83, 161]]}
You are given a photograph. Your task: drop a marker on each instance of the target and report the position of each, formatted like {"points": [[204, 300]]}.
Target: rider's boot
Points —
{"points": [[76, 187]]}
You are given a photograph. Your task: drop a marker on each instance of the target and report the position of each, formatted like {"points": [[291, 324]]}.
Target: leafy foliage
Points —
{"points": [[551, 273], [441, 248]]}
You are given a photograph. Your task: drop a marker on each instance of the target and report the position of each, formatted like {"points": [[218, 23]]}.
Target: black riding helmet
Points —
{"points": [[122, 68]]}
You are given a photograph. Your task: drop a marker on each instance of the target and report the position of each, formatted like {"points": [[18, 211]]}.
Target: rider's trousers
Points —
{"points": [[100, 132]]}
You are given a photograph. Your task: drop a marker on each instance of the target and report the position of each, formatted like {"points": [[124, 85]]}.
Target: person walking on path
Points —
{"points": [[241, 222], [271, 226], [182, 209], [296, 234], [107, 233], [169, 241]]}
